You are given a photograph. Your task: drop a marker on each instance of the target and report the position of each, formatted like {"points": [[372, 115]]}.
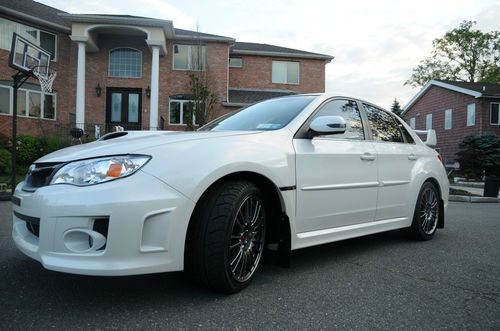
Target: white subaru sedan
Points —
{"points": [[282, 174]]}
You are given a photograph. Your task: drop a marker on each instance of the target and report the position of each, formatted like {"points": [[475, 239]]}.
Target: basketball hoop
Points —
{"points": [[46, 77]]}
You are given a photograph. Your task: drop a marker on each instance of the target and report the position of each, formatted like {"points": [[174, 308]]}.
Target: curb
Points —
{"points": [[466, 198]]}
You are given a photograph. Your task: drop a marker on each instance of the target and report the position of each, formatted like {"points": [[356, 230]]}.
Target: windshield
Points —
{"points": [[267, 115]]}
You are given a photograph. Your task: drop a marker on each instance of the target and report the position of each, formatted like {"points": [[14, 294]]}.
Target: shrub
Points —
{"points": [[28, 149], [52, 143], [5, 162], [479, 153]]}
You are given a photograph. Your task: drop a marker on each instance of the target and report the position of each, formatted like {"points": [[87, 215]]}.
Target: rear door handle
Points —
{"points": [[367, 157], [412, 157]]}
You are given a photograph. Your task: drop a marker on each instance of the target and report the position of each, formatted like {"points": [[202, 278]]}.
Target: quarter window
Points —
{"points": [[285, 72], [495, 114], [384, 127], [125, 62], [447, 119], [471, 114], [189, 57], [181, 112], [348, 109]]}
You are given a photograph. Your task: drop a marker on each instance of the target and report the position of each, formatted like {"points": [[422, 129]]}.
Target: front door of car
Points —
{"points": [[336, 174], [397, 155]]}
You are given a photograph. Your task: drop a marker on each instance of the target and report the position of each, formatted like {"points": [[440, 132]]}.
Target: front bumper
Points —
{"points": [[145, 226]]}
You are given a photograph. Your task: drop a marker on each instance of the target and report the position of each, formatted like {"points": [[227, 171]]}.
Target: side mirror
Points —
{"points": [[328, 125]]}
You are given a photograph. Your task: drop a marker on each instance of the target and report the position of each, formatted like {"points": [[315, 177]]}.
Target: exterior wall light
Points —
{"points": [[98, 90], [148, 92]]}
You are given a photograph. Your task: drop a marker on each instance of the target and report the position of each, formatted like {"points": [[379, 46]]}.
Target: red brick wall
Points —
{"points": [[436, 100], [257, 73]]}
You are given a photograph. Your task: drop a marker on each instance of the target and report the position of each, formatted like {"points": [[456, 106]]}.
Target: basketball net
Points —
{"points": [[46, 78]]}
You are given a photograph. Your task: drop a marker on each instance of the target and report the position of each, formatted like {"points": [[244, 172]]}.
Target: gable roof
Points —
{"points": [[477, 90], [244, 48], [35, 12]]}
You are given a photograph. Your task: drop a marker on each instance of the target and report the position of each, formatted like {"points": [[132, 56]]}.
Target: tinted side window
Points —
{"points": [[348, 109], [384, 127]]}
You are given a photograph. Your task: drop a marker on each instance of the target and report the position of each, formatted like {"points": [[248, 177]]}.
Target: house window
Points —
{"points": [[412, 123], [447, 119], [495, 114], [125, 62], [181, 112], [428, 121], [189, 57], [29, 103], [235, 62], [44, 39], [285, 72], [471, 114]]}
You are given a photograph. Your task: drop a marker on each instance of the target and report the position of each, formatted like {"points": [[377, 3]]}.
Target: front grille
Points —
{"points": [[40, 175]]}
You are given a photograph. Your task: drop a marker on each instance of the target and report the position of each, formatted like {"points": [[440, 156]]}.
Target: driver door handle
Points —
{"points": [[367, 157]]}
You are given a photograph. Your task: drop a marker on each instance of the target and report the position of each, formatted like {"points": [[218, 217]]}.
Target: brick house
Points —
{"points": [[454, 110], [134, 71]]}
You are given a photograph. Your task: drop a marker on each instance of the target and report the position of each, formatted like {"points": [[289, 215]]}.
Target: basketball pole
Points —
{"points": [[19, 80]]}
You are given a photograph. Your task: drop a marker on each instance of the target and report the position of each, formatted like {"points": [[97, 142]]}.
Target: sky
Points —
{"points": [[376, 44]]}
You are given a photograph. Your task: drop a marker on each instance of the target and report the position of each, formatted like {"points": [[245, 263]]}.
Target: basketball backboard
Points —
{"points": [[24, 56]]}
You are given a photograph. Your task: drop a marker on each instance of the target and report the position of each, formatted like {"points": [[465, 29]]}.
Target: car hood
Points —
{"points": [[131, 142]]}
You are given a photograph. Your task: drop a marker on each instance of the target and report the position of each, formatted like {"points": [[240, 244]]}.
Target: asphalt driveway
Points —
{"points": [[382, 281]]}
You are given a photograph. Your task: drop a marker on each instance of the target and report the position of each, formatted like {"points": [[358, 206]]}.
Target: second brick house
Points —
{"points": [[134, 71], [454, 110]]}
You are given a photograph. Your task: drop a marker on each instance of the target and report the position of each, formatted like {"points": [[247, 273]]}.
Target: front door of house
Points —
{"points": [[123, 108]]}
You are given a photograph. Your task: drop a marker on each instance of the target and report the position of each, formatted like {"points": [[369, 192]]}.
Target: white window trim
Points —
{"points": [[26, 108], [413, 123], [189, 58], [448, 111], [491, 110], [427, 117], [286, 78], [55, 41], [467, 115], [109, 63], [181, 112]]}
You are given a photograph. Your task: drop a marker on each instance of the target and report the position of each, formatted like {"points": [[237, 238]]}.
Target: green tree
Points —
{"points": [[462, 54], [396, 107], [479, 153], [203, 100]]}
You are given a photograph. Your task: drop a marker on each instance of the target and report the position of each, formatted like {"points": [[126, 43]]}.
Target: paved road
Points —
{"points": [[377, 282]]}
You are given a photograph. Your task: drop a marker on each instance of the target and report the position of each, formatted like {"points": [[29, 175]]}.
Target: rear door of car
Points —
{"points": [[336, 174], [397, 156]]}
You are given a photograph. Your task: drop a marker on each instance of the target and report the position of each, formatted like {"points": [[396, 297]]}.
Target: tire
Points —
{"points": [[226, 237], [426, 215]]}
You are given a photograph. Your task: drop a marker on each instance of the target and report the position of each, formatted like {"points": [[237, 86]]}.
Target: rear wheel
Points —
{"points": [[227, 236], [426, 215]]}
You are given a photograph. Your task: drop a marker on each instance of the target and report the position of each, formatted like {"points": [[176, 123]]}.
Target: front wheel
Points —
{"points": [[426, 215], [227, 237]]}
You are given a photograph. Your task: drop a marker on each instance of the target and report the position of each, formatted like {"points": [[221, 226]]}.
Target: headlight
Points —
{"points": [[100, 170]]}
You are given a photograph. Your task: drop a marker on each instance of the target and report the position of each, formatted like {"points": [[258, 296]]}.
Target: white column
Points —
{"points": [[155, 75], [80, 86]]}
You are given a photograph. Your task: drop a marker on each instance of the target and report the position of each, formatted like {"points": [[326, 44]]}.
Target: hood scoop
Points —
{"points": [[113, 135]]}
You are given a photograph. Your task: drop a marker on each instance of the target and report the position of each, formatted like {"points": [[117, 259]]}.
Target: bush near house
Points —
{"points": [[479, 154], [5, 161]]}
